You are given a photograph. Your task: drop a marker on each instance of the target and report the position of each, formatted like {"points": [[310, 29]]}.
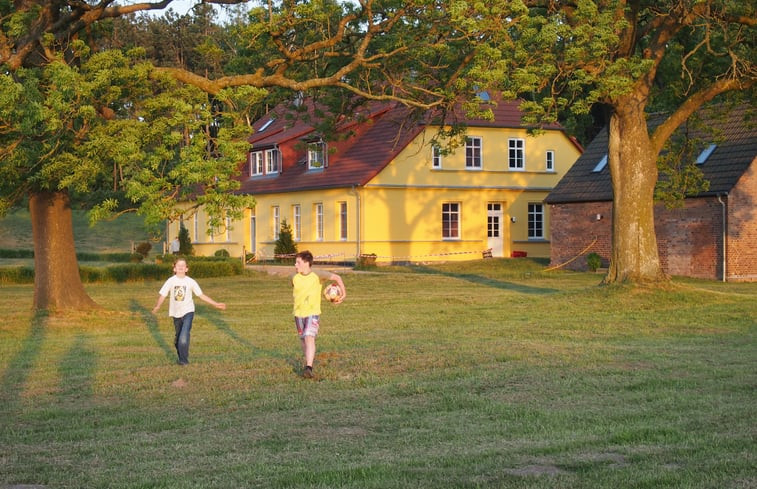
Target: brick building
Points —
{"points": [[712, 236]]}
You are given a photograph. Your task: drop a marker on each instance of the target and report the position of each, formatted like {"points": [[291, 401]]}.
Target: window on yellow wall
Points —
{"points": [[473, 158], [549, 163], [297, 221], [196, 226], [535, 221], [275, 221], [343, 221], [451, 220], [436, 157], [516, 154], [318, 210]]}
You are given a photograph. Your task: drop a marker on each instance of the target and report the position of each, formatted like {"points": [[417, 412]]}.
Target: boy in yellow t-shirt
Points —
{"points": [[306, 292]]}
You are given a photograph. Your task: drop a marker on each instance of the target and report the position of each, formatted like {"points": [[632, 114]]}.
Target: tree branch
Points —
{"points": [[691, 105]]}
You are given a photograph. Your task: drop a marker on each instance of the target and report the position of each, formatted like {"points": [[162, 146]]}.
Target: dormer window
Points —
{"points": [[272, 161], [264, 162], [317, 155], [256, 162]]}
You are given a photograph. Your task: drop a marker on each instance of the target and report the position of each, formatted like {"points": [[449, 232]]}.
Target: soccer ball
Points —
{"points": [[332, 292]]}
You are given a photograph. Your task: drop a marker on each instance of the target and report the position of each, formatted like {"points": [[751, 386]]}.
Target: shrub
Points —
{"points": [[16, 275], [185, 244], [285, 244], [593, 261], [143, 248], [130, 272], [16, 253], [365, 261], [222, 253], [109, 257], [136, 258]]}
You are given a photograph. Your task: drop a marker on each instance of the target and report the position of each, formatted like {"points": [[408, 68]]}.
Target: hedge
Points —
{"points": [[110, 257], [131, 272]]}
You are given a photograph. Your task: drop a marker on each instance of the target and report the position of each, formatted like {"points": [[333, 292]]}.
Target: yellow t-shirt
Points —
{"points": [[307, 294]]}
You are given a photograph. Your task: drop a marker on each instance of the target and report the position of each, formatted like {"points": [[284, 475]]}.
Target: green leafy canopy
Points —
{"points": [[110, 126]]}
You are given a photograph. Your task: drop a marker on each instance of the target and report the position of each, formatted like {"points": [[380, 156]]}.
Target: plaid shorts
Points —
{"points": [[307, 326]]}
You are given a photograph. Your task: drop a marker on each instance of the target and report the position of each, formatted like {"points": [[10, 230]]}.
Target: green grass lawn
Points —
{"points": [[114, 236], [486, 374]]}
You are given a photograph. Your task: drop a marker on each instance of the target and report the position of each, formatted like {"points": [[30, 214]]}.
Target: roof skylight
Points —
{"points": [[706, 153], [601, 165], [265, 126]]}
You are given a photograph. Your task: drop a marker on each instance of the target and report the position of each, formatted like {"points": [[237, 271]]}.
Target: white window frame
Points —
{"points": [[343, 221], [318, 211], [272, 161], [451, 214], [516, 154], [535, 220], [436, 157], [317, 155], [474, 158], [256, 163], [196, 227], [297, 221], [549, 160], [228, 229], [276, 221]]}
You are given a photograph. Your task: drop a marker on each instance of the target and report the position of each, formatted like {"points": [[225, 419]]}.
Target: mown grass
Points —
{"points": [[104, 237], [485, 374]]}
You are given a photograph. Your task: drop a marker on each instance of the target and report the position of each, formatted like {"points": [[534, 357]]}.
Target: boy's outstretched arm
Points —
{"points": [[161, 298], [217, 305]]}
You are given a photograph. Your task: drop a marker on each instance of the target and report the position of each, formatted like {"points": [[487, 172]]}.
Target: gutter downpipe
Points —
{"points": [[358, 244], [724, 232]]}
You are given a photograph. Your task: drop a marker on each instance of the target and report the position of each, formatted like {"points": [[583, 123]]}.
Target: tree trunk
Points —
{"points": [[57, 284], [633, 169]]}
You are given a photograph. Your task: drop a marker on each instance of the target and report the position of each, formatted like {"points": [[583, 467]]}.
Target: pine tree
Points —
{"points": [[185, 244], [285, 244]]}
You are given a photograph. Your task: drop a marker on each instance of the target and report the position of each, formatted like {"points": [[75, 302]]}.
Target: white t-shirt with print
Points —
{"points": [[179, 290]]}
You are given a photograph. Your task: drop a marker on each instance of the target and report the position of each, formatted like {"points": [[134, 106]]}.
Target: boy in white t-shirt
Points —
{"points": [[181, 307]]}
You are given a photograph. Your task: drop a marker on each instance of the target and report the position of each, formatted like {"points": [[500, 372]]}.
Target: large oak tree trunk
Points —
{"points": [[57, 284], [633, 169]]}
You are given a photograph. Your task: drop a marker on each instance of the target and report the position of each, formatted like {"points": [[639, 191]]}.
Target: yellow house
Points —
{"points": [[387, 190]]}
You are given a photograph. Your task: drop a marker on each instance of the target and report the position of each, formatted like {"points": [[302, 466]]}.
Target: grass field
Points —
{"points": [[114, 236], [488, 374]]}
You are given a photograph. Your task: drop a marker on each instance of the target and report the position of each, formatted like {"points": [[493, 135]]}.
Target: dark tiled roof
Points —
{"points": [[736, 139], [353, 161]]}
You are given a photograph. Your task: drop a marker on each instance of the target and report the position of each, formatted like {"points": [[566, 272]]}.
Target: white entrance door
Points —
{"points": [[494, 216]]}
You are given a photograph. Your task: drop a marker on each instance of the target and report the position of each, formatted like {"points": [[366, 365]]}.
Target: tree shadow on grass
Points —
{"points": [[152, 326], [15, 375], [77, 370], [488, 281], [216, 319]]}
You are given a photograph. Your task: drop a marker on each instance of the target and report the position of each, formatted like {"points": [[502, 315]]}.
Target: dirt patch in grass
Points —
{"points": [[535, 470]]}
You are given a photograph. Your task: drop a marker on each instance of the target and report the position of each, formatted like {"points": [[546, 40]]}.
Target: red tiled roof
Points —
{"points": [[353, 161]]}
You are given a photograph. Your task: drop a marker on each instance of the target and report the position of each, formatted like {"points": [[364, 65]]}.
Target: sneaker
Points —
{"points": [[308, 373]]}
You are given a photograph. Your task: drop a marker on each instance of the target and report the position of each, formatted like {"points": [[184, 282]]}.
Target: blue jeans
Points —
{"points": [[183, 326]]}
